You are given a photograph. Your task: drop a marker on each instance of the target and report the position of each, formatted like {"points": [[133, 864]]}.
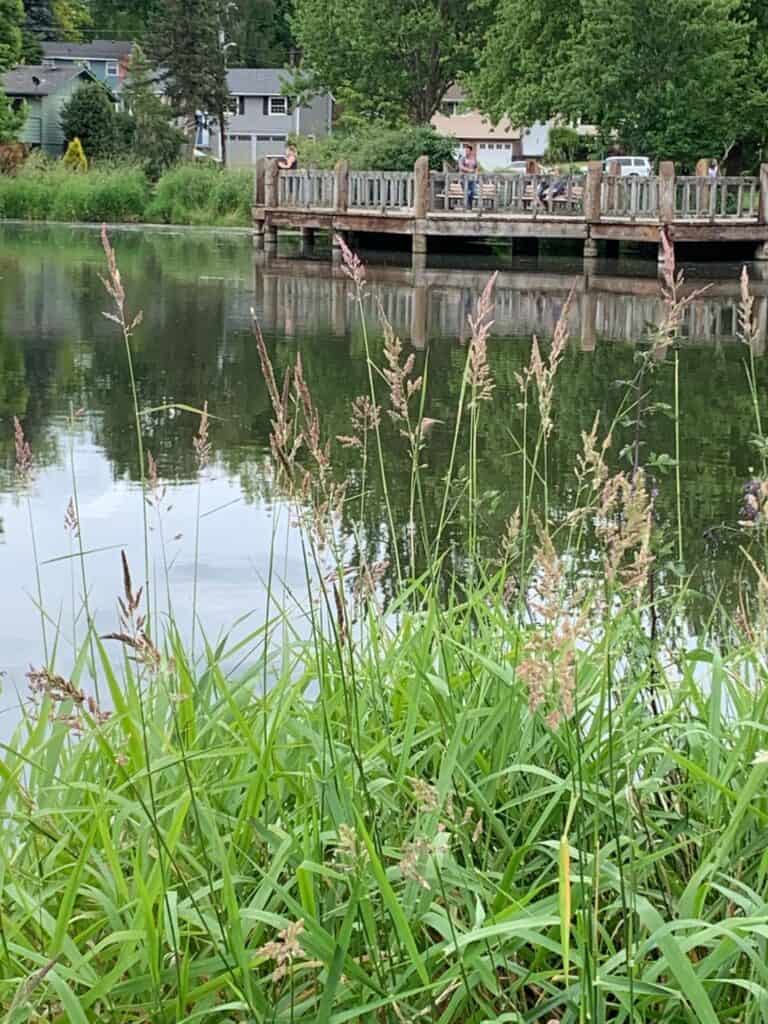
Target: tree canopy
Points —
{"points": [[156, 143], [387, 59], [185, 40], [678, 80], [39, 25]]}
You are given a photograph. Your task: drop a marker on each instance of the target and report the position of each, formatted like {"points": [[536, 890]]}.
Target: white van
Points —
{"points": [[639, 166]]}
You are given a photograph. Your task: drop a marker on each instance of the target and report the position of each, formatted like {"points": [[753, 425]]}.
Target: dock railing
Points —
{"points": [[593, 197]]}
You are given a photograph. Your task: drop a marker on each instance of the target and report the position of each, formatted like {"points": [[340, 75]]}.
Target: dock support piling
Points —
{"points": [[336, 239], [590, 249], [761, 252]]}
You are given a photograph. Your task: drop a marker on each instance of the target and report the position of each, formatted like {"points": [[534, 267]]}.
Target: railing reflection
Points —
{"points": [[297, 295]]}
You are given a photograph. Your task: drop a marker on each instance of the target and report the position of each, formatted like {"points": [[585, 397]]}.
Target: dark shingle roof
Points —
{"points": [[97, 49], [36, 80], [257, 81]]}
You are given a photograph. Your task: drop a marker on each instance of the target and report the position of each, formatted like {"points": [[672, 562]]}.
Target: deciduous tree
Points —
{"points": [[388, 59], [676, 80]]}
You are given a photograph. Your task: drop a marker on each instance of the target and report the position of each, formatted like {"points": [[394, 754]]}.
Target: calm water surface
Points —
{"points": [[58, 354]]}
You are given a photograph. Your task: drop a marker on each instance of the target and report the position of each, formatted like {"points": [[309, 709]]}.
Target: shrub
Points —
{"points": [[379, 148], [59, 193], [202, 194], [75, 159], [89, 116], [565, 146]]}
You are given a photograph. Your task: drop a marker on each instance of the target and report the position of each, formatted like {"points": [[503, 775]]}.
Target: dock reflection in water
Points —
{"points": [[433, 303]]}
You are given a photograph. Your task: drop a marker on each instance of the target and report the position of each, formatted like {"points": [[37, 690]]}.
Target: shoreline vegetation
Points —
{"points": [[187, 195], [503, 791]]}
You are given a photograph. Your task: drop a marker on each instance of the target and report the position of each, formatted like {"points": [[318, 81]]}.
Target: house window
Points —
{"points": [[278, 105], [113, 69], [237, 106], [240, 138], [449, 108]]}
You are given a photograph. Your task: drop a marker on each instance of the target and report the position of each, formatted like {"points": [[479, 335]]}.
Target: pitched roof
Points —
{"points": [[257, 81], [37, 80], [97, 49]]}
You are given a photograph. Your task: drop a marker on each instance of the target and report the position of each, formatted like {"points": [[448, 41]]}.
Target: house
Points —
{"points": [[497, 145], [108, 60], [43, 91], [261, 117]]}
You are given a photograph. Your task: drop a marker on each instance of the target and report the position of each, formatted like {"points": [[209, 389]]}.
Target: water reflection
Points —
{"points": [[59, 354]]}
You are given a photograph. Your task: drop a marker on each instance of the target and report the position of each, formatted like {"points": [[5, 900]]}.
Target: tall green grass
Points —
{"points": [[187, 194], [512, 796]]}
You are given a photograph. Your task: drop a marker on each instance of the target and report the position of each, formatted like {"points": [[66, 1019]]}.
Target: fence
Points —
{"points": [[380, 190], [308, 189], [717, 198], [631, 198], [531, 195]]}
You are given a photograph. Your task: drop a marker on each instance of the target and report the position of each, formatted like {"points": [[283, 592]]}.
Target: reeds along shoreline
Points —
{"points": [[517, 797]]}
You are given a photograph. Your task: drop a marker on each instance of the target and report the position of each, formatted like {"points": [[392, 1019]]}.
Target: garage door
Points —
{"points": [[240, 151]]}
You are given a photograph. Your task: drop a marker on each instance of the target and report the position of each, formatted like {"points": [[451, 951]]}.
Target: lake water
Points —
{"points": [[59, 354]]}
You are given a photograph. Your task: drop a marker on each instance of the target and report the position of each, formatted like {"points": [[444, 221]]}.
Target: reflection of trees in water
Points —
{"points": [[56, 349]]}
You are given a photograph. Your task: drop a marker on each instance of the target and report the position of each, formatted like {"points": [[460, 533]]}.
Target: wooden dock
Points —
{"points": [[593, 208]]}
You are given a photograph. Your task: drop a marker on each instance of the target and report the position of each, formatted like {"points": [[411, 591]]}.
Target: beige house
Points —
{"points": [[497, 145]]}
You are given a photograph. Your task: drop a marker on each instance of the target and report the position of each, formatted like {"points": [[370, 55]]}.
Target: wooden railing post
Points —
{"points": [[592, 192], [271, 175], [762, 209], [342, 186], [421, 187], [666, 192], [258, 182]]}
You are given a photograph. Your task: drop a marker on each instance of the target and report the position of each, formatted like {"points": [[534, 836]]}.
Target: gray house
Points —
{"points": [[43, 91], [108, 60], [261, 117]]}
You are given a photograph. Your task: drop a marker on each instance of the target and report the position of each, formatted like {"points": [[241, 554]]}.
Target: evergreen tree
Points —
{"points": [[156, 142], [262, 35], [39, 26], [186, 39], [72, 18], [90, 117]]}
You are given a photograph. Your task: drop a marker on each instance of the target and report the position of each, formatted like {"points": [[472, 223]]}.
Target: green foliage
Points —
{"points": [[123, 19], [11, 121], [202, 194], [671, 80], [39, 25], [55, 192], [261, 33], [11, 20], [75, 159], [187, 194], [565, 146], [72, 17], [90, 117], [379, 148], [154, 141], [387, 59]]}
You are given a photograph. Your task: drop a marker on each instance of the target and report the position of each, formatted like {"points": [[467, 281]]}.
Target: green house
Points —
{"points": [[43, 91]]}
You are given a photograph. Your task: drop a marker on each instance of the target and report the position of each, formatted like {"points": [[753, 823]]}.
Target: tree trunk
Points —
{"points": [[223, 136]]}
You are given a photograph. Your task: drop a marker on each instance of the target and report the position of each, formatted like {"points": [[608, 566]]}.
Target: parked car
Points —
{"points": [[629, 166]]}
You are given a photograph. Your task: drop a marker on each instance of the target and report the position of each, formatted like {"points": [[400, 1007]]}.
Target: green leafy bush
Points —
{"points": [[202, 194], [379, 148], [90, 117], [58, 193]]}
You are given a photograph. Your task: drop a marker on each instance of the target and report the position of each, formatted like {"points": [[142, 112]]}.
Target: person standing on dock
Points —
{"points": [[468, 165]]}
